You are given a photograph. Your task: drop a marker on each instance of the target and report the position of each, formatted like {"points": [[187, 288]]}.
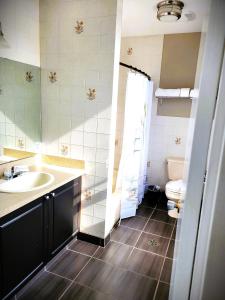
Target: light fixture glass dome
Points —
{"points": [[170, 10]]}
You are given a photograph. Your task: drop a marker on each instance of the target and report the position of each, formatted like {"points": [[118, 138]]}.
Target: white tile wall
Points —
{"points": [[103, 141], [164, 131], [77, 152], [90, 139], [89, 154], [81, 61], [102, 156], [19, 105]]}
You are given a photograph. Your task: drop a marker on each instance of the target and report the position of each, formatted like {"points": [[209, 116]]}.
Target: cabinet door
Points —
{"points": [[21, 247], [61, 217]]}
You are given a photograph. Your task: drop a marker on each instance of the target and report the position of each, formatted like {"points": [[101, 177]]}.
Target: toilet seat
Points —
{"points": [[175, 189]]}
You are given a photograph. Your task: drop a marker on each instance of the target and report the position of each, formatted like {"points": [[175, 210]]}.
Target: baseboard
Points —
{"points": [[93, 239], [116, 224], [97, 240]]}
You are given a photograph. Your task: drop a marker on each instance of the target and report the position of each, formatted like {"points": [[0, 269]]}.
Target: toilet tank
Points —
{"points": [[175, 168]]}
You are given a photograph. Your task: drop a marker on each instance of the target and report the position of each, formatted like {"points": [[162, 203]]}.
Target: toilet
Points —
{"points": [[175, 188]]}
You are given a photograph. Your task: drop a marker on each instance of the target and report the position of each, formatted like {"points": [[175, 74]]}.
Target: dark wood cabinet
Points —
{"points": [[22, 247], [63, 209], [33, 234]]}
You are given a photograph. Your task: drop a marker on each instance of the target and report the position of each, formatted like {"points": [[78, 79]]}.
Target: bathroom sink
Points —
{"points": [[27, 182]]}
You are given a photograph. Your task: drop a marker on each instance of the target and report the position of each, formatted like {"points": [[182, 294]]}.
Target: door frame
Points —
{"points": [[189, 224], [209, 266]]}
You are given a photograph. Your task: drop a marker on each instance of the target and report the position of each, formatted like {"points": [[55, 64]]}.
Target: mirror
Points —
{"points": [[20, 106]]}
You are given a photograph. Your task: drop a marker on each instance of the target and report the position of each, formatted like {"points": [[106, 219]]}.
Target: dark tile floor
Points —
{"points": [[136, 264]]}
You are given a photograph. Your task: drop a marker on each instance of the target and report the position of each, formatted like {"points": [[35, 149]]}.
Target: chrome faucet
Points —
{"points": [[14, 171]]}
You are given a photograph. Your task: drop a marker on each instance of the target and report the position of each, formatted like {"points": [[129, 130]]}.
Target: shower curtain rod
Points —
{"points": [[136, 70]]}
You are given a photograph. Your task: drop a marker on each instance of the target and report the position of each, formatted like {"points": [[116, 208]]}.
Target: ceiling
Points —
{"points": [[139, 18]]}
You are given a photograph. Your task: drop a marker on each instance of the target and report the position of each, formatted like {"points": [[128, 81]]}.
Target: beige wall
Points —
{"points": [[147, 55], [179, 62]]}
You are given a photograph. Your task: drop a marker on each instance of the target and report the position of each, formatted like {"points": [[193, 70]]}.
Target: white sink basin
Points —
{"points": [[27, 182]]}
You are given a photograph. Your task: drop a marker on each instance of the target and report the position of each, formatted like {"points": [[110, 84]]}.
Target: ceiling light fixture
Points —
{"points": [[170, 10]]}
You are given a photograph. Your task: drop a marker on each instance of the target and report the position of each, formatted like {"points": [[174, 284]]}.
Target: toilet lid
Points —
{"points": [[176, 186]]}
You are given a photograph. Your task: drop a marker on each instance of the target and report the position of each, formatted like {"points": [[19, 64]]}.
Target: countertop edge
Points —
{"points": [[38, 194]]}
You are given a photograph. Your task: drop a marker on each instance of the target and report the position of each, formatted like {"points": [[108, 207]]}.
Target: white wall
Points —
{"points": [[81, 61], [147, 55], [20, 25], [164, 131]]}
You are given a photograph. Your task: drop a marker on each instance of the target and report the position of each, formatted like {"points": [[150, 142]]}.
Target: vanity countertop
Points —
{"points": [[12, 201], [5, 158]]}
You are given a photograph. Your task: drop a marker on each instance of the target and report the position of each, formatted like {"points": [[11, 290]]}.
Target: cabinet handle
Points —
{"points": [[53, 194], [47, 197]]}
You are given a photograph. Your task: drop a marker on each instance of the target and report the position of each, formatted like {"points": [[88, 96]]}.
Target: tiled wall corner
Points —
{"points": [[81, 61]]}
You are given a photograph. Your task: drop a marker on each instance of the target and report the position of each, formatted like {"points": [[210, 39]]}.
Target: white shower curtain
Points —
{"points": [[131, 179]]}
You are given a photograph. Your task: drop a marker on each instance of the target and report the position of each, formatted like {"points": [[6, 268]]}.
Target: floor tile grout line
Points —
{"points": [[163, 222], [140, 235], [144, 227], [54, 259], [90, 257], [133, 247], [138, 216], [124, 269], [175, 225], [74, 251], [155, 220], [156, 289], [111, 264], [148, 220], [58, 275], [143, 250], [155, 208], [60, 297], [148, 206], [168, 238], [164, 237], [140, 249], [65, 249], [88, 261], [78, 274], [164, 282], [30, 283], [95, 290], [131, 227], [154, 298]]}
